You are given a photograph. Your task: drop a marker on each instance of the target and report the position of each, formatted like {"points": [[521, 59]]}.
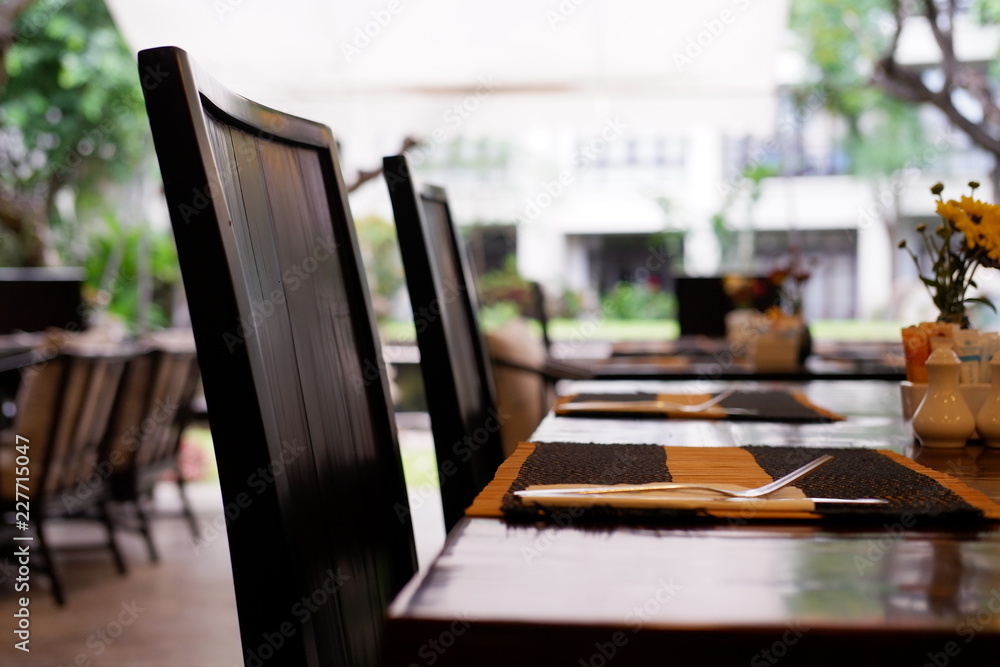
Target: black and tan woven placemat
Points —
{"points": [[768, 405], [915, 494]]}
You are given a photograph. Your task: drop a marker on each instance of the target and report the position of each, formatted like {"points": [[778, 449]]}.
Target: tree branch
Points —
{"points": [[908, 85], [365, 176]]}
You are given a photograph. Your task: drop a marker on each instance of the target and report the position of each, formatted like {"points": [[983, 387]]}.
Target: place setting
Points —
{"points": [[778, 404], [600, 483]]}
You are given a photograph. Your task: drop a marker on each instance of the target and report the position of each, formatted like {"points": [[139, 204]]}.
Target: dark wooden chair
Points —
{"points": [[458, 379], [317, 514], [541, 313], [63, 406], [144, 435]]}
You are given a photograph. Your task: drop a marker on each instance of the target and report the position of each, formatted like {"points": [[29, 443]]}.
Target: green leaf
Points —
{"points": [[983, 300]]}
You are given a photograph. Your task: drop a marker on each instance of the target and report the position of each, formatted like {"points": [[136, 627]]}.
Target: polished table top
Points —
{"points": [[721, 593]]}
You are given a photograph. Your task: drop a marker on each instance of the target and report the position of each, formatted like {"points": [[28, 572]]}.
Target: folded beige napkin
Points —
{"points": [[788, 499]]}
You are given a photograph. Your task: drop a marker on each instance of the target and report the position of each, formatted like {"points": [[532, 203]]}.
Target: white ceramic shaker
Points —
{"points": [[943, 419]]}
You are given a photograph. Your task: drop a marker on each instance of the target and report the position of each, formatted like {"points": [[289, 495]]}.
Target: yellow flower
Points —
{"points": [[984, 230], [967, 238], [953, 212], [988, 213]]}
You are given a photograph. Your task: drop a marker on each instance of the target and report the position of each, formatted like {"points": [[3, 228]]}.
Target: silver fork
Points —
{"points": [[704, 405], [666, 486]]}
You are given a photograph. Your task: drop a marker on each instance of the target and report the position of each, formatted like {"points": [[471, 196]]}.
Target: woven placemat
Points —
{"points": [[768, 404], [916, 495]]}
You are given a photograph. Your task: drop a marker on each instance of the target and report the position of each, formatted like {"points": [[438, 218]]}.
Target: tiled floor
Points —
{"points": [[180, 611]]}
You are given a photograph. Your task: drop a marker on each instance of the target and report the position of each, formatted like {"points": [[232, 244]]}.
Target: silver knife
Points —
{"points": [[849, 501]]}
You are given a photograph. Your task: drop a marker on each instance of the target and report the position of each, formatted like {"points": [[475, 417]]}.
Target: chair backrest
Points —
{"points": [[39, 396], [144, 432], [458, 380], [125, 431], [174, 388], [317, 515], [541, 312], [63, 408]]}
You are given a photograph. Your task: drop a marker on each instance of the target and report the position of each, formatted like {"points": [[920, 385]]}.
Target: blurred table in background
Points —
{"points": [[700, 357]]}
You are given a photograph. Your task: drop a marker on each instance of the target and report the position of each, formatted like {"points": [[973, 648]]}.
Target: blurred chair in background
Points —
{"points": [[144, 436], [62, 410]]}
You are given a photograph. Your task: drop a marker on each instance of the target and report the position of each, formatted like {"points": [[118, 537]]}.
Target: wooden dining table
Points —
{"points": [[735, 592]]}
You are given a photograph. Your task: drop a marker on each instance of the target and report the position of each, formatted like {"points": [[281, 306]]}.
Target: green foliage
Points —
{"points": [[842, 40], [73, 127], [383, 264], [986, 12], [628, 301], [506, 285], [112, 268], [571, 305], [495, 315], [72, 105]]}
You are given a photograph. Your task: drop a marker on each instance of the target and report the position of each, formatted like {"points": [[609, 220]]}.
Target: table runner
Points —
{"points": [[915, 493], [770, 405]]}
